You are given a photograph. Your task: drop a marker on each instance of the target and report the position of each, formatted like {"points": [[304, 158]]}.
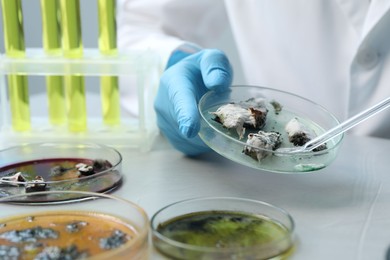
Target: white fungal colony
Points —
{"points": [[264, 142], [299, 134], [252, 115]]}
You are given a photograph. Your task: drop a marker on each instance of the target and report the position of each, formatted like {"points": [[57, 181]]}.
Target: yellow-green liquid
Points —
{"points": [[110, 100], [107, 27], [76, 103], [73, 48], [71, 28], [52, 45], [14, 47], [51, 26], [108, 46]]}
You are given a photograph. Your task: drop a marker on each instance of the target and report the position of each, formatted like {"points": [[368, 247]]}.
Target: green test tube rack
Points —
{"points": [[132, 69]]}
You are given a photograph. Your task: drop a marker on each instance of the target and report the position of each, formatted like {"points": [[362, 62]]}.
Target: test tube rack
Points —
{"points": [[138, 70], [64, 64]]}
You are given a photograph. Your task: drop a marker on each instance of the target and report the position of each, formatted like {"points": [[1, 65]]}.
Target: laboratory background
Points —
{"points": [[340, 212]]}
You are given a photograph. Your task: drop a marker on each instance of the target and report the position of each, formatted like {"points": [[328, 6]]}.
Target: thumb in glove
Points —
{"points": [[187, 78]]}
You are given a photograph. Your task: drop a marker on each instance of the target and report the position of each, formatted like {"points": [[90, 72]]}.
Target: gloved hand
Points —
{"points": [[186, 79]]}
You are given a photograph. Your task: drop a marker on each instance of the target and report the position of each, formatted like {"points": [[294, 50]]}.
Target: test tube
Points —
{"points": [[72, 47], [109, 86], [15, 47], [52, 45]]}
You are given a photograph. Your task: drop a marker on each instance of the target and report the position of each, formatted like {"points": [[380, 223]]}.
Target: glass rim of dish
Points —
{"points": [[201, 109], [290, 228], [142, 233], [82, 178], [91, 195]]}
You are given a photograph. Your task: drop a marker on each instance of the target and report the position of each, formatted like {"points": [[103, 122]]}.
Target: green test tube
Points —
{"points": [[14, 47], [109, 86], [72, 47], [51, 33]]}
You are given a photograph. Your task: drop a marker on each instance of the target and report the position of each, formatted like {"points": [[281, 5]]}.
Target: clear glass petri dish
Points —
{"points": [[100, 226], [59, 166], [282, 107], [222, 228]]}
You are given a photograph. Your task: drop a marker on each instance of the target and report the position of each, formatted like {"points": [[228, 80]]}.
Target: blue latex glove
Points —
{"points": [[186, 79]]}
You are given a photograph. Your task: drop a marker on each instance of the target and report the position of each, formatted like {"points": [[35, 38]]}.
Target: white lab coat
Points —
{"points": [[334, 52]]}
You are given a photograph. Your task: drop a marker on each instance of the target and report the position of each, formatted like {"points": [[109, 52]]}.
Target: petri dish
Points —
{"points": [[282, 107], [50, 166], [222, 228], [101, 226]]}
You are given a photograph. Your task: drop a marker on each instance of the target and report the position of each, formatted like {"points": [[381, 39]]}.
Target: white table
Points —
{"points": [[340, 212]]}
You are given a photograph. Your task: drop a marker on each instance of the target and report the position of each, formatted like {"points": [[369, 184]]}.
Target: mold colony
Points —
{"points": [[252, 115], [63, 235]]}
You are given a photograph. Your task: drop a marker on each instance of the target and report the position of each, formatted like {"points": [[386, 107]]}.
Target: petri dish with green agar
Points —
{"points": [[223, 228], [56, 166]]}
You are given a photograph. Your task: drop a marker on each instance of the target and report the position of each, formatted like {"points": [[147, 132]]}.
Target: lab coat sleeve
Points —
{"points": [[140, 28]]}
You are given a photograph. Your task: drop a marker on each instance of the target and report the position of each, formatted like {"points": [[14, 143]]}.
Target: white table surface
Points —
{"points": [[340, 212]]}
